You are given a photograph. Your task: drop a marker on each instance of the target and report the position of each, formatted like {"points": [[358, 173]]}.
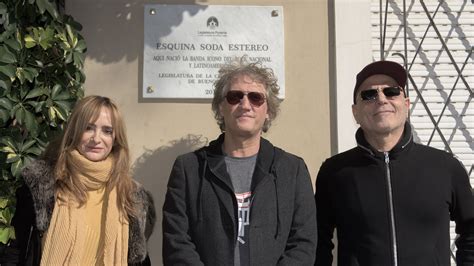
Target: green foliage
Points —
{"points": [[41, 61]]}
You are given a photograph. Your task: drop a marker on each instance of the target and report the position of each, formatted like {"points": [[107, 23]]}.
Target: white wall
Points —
{"points": [[352, 52]]}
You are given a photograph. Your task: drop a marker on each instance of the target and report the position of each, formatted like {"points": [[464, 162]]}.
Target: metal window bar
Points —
{"points": [[404, 56]]}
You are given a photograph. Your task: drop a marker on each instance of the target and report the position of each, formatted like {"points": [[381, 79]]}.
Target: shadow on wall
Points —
{"points": [[114, 30], [152, 169], [117, 33]]}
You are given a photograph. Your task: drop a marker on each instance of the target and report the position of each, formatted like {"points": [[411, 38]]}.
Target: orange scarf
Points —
{"points": [[68, 235]]}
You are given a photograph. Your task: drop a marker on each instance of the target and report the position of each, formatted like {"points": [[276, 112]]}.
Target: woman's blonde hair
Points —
{"points": [[86, 110]]}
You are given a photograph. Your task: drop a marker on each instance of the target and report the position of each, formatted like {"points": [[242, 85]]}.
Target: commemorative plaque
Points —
{"points": [[185, 45]]}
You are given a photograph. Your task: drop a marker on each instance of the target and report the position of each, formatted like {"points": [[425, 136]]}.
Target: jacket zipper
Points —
{"points": [[392, 214], [28, 242]]}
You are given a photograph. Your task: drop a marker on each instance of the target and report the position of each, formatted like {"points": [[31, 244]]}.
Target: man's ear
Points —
{"points": [[220, 108], [407, 104], [355, 113]]}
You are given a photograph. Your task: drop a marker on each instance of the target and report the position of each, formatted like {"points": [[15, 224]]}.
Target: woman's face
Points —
{"points": [[98, 138]]}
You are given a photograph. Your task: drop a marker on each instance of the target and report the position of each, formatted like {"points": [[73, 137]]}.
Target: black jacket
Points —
{"points": [[35, 203], [357, 190], [200, 210]]}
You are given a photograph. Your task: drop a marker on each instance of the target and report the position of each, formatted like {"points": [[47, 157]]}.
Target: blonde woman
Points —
{"points": [[80, 205]]}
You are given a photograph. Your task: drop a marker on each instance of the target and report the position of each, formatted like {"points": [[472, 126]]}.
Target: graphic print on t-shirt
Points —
{"points": [[243, 204]]}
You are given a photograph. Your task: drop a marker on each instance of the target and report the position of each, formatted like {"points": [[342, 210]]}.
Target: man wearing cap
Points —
{"points": [[391, 199]]}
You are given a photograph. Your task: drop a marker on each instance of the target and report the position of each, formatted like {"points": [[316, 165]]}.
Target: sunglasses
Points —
{"points": [[372, 94], [255, 98]]}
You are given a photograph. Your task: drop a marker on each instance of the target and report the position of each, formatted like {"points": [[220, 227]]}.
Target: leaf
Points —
{"points": [[8, 70], [26, 145], [8, 142], [5, 82], [62, 96], [30, 122], [13, 110], [12, 157], [28, 159], [4, 202], [6, 233], [6, 215], [72, 37], [30, 73], [29, 41], [7, 149], [48, 6], [3, 8], [81, 46], [78, 59], [3, 92], [16, 168], [34, 150], [46, 38], [61, 35], [74, 24], [41, 5], [14, 44], [39, 63], [12, 233], [6, 103], [52, 10], [13, 97], [32, 103], [37, 105], [62, 114], [55, 91], [24, 91], [20, 74], [4, 117], [35, 93], [20, 115], [27, 76], [68, 58], [6, 56], [46, 134], [67, 106], [51, 113], [5, 175]]}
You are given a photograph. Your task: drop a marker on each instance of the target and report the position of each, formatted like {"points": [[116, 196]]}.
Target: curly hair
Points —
{"points": [[259, 74]]}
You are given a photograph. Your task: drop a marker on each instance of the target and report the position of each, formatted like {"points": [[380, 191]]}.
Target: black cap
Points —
{"points": [[389, 68]]}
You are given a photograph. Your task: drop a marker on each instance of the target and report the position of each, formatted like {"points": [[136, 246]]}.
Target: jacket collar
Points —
{"points": [[405, 142], [266, 158]]}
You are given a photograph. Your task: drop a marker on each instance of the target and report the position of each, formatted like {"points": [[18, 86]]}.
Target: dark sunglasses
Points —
{"points": [[372, 94], [255, 98]]}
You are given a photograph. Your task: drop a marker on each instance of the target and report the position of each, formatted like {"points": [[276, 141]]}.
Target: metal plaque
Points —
{"points": [[185, 45]]}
